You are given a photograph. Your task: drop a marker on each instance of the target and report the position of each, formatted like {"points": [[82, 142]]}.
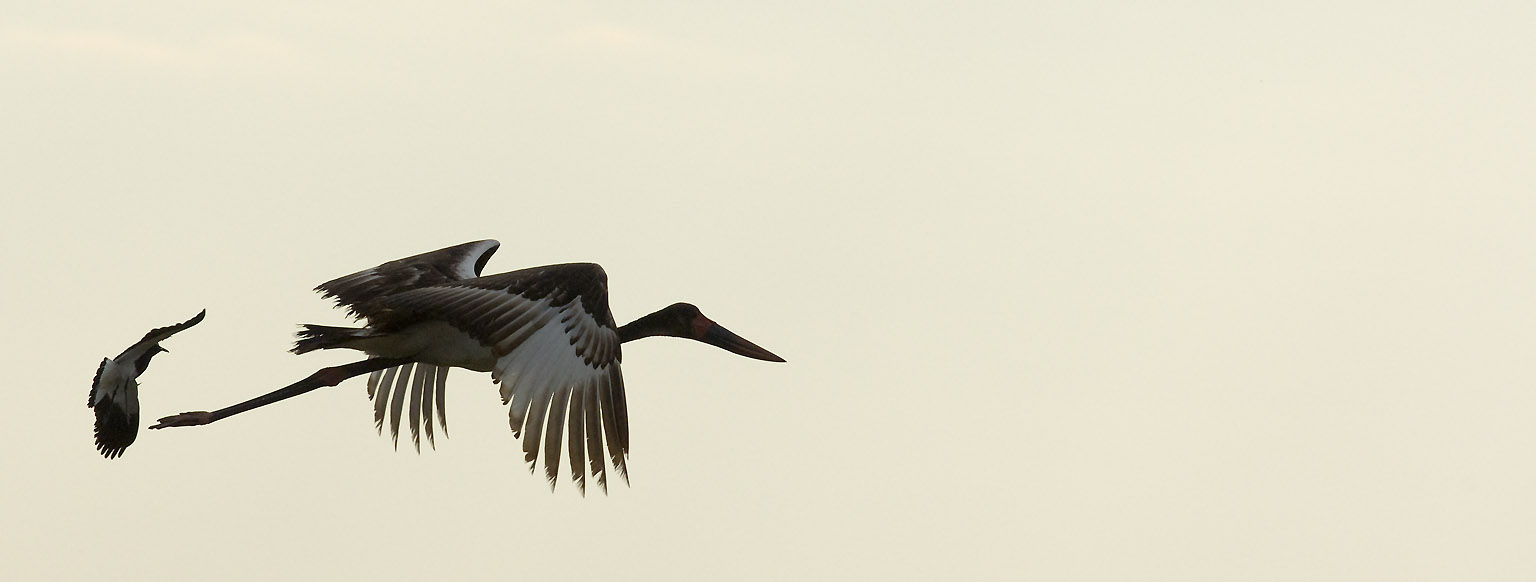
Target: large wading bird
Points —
{"points": [[545, 334], [115, 389]]}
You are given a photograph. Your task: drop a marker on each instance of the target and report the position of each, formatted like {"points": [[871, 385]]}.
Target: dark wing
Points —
{"points": [[454, 263], [156, 336], [356, 291], [115, 397], [557, 352], [116, 427]]}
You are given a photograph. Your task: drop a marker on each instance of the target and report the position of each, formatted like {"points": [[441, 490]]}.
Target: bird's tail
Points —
{"points": [[324, 337]]}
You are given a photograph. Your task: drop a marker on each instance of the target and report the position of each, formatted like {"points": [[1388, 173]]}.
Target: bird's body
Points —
{"points": [[545, 334], [115, 389], [435, 343]]}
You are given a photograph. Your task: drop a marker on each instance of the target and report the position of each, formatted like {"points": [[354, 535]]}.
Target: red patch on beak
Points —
{"points": [[701, 326]]}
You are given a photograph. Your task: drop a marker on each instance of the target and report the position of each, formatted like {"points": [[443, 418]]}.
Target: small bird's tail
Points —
{"points": [[324, 337]]}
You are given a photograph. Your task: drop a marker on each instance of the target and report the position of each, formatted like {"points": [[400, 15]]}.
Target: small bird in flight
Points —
{"points": [[115, 390]]}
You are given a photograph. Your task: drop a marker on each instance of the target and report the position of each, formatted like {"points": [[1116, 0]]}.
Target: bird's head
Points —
{"points": [[142, 363], [685, 320]]}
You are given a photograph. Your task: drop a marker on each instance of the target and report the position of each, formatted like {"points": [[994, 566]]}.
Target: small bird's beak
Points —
{"points": [[714, 334], [162, 349]]}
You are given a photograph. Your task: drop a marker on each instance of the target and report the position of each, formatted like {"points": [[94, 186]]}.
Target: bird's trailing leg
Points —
{"points": [[324, 377]]}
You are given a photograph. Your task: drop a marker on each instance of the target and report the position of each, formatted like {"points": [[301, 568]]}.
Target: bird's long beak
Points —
{"points": [[162, 349], [714, 334]]}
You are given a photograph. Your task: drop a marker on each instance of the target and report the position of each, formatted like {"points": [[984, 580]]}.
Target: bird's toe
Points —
{"points": [[184, 419]]}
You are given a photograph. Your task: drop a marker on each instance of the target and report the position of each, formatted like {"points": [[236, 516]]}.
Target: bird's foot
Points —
{"points": [[185, 419]]}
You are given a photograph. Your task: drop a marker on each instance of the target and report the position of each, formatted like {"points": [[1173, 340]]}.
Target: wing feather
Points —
{"points": [[553, 432], [533, 428], [618, 447], [415, 404], [116, 427], [373, 382], [576, 443], [399, 401], [426, 404], [156, 336], [455, 263], [558, 359], [442, 383], [520, 368], [381, 397], [594, 426], [96, 382]]}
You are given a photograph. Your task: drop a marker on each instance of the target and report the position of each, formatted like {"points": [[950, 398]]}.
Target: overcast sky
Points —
{"points": [[1068, 291]]}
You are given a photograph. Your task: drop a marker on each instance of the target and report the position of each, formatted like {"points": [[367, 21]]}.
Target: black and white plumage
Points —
{"points": [[544, 333], [455, 263], [115, 389]]}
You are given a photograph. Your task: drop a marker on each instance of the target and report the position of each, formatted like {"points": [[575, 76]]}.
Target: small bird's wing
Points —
{"points": [[156, 336], [454, 263], [557, 352], [96, 382], [115, 397]]}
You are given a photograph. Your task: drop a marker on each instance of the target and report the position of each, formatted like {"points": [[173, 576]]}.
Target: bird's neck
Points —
{"points": [[143, 362], [647, 326]]}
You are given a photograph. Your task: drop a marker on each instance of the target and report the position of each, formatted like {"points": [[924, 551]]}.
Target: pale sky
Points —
{"points": [[1068, 291]]}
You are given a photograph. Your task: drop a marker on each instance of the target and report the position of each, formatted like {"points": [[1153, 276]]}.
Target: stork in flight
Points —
{"points": [[545, 334], [115, 389]]}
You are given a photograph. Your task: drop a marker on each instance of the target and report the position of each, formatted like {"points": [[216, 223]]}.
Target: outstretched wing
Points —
{"points": [[115, 398], [356, 291], [557, 352], [156, 336], [454, 263]]}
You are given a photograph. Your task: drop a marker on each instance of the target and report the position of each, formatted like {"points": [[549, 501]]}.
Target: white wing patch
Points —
{"points": [[545, 377], [558, 366], [116, 385], [465, 268]]}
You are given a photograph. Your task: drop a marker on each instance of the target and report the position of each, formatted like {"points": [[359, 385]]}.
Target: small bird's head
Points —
{"points": [[143, 362]]}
